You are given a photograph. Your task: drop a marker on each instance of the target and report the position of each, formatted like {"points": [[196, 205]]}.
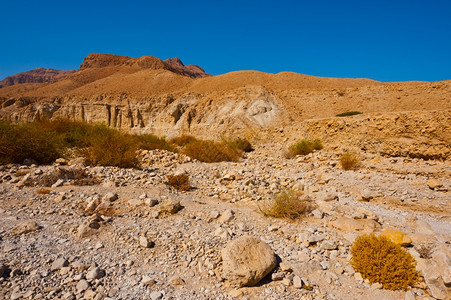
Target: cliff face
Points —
{"points": [[39, 75], [166, 98]]}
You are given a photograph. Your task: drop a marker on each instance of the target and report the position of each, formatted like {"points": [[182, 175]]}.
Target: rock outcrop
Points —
{"points": [[39, 75]]}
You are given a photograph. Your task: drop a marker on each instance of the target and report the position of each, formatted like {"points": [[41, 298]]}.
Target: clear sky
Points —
{"points": [[386, 40]]}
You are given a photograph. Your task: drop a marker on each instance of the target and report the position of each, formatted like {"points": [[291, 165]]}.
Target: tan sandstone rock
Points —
{"points": [[247, 260]]}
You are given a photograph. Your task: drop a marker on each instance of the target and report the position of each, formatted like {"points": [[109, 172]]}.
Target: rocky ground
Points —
{"points": [[115, 239]]}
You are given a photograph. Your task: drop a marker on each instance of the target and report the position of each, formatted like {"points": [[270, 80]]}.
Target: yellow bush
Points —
{"points": [[286, 204], [209, 151], [380, 260], [349, 160]]}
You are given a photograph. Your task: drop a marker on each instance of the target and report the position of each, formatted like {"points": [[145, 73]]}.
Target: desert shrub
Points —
{"points": [[286, 204], [209, 151], [380, 260], [424, 251], [152, 142], [18, 142], [179, 182], [349, 113], [109, 147], [241, 144], [349, 160], [304, 147], [183, 140], [43, 191]]}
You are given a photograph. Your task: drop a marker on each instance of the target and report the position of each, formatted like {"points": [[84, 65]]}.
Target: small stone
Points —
{"points": [[396, 237], [317, 214], [176, 280], [277, 276], [214, 214], [59, 263], [286, 281], [151, 202], [226, 216], [170, 206], [297, 282], [82, 286], [110, 197], [326, 196], [329, 245], [376, 286], [366, 195], [61, 161], [156, 295], [358, 277], [135, 202], [433, 183], [58, 183], [144, 242], [95, 273], [25, 227], [148, 281]]}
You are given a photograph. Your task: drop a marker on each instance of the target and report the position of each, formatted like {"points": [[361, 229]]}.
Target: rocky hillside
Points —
{"points": [[128, 235], [166, 98], [39, 75]]}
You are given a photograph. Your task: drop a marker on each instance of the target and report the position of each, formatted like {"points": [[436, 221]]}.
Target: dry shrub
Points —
{"points": [[210, 152], [424, 251], [380, 260], [43, 191], [287, 204], [304, 147], [179, 182], [152, 142], [109, 147], [241, 144], [183, 140], [349, 160]]}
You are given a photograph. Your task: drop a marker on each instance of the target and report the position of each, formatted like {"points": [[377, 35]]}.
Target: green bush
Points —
{"points": [[349, 113], [380, 260], [152, 142], [304, 147], [18, 142], [286, 204]]}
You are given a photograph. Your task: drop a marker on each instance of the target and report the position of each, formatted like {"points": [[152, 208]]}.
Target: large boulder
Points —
{"points": [[247, 260]]}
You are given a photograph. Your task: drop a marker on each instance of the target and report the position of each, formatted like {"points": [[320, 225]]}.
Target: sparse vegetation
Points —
{"points": [[349, 160], [380, 260], [425, 252], [45, 140], [304, 147], [183, 140], [349, 113], [241, 144], [179, 182], [287, 204], [210, 152], [43, 191]]}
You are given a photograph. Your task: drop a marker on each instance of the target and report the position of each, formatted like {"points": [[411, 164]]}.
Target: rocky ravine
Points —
{"points": [[53, 246]]}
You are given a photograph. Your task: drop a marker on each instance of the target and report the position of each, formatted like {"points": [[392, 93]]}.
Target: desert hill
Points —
{"points": [[39, 75], [167, 98]]}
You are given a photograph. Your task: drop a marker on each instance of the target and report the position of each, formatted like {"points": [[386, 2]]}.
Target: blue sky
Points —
{"points": [[386, 40]]}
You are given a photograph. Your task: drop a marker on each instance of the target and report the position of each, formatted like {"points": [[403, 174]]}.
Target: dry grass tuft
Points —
{"points": [[287, 204], [304, 147], [43, 191], [241, 144], [179, 182], [380, 260], [349, 160]]}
